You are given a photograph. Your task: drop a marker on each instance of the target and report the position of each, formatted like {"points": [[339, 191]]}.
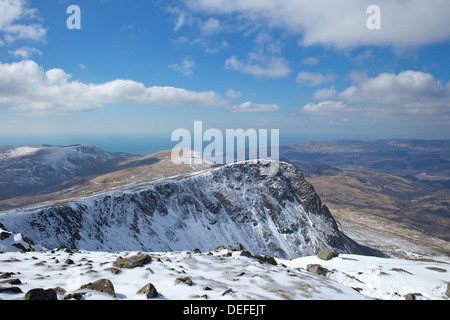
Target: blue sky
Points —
{"points": [[311, 69]]}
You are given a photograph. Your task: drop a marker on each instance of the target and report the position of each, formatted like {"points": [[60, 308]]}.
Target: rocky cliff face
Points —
{"points": [[279, 215]]}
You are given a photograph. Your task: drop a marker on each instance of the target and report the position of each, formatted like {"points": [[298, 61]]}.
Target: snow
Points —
{"points": [[221, 270], [19, 152]]}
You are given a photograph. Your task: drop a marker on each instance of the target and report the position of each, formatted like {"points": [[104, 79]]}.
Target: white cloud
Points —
{"points": [[25, 52], [339, 23], [313, 79], [27, 87], [267, 67], [253, 107], [325, 94], [327, 107], [311, 61], [19, 22], [231, 94], [407, 94], [185, 67], [210, 27]]}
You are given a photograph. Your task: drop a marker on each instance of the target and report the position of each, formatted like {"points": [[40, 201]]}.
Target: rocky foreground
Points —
{"points": [[220, 274]]}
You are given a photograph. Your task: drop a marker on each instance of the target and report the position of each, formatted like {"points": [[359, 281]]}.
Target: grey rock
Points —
{"points": [[149, 291], [185, 280], [447, 292], [10, 290], [138, 260], [102, 285], [327, 254], [41, 294], [317, 269]]}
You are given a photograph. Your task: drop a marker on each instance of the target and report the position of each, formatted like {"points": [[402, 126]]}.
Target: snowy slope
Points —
{"points": [[222, 275], [278, 215]]}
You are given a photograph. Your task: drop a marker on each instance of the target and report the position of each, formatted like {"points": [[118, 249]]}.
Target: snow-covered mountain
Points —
{"points": [[279, 215], [32, 169]]}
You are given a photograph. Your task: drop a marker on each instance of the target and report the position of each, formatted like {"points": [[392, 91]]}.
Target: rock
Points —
{"points": [[10, 290], [102, 285], [269, 260], [138, 260], [327, 254], [412, 296], [4, 235], [317, 269], [113, 270], [229, 290], [11, 281], [196, 250], [246, 253], [69, 261], [206, 288], [75, 296], [185, 280], [41, 294], [149, 291], [239, 247], [447, 292]]}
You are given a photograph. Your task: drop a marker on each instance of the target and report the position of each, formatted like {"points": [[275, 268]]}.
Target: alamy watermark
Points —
{"points": [[212, 147]]}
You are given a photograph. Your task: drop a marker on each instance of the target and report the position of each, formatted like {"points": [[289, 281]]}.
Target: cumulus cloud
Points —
{"points": [[407, 94], [340, 23], [19, 22], [266, 67], [254, 107], [313, 79], [27, 87]]}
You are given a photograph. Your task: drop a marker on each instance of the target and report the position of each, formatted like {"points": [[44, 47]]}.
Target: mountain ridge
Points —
{"points": [[279, 215]]}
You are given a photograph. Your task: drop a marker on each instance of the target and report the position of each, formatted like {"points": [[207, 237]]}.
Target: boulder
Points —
{"points": [[447, 292], [138, 260], [327, 254], [102, 285], [149, 291], [185, 280], [317, 269], [41, 294]]}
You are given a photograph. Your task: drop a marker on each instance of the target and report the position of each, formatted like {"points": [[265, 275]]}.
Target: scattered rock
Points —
{"points": [[327, 254], [10, 290], [5, 275], [246, 253], [400, 270], [263, 259], [41, 294], [4, 235], [447, 292], [149, 291], [196, 251], [436, 269], [69, 261], [59, 290], [185, 280], [229, 290], [317, 269], [239, 247], [206, 288], [138, 260], [102, 285], [113, 270], [11, 281], [74, 296], [412, 296]]}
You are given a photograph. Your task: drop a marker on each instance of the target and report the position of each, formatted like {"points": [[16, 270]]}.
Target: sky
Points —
{"points": [[314, 70]]}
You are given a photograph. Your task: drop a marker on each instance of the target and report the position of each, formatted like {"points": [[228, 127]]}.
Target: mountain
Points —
{"points": [[49, 173], [279, 215], [421, 158]]}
